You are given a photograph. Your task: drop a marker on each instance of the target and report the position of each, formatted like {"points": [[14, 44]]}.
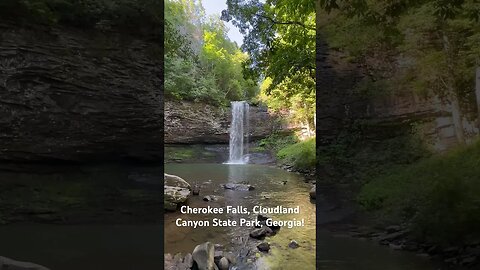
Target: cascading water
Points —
{"points": [[239, 133]]}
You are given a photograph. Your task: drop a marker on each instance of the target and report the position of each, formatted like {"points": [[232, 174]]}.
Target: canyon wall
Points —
{"points": [[73, 95], [385, 116], [199, 123]]}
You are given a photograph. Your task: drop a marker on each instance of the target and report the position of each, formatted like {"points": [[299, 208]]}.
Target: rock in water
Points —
{"points": [[223, 264], [175, 181], [260, 233], [203, 255], [196, 190], [313, 192], [264, 247], [293, 244], [209, 198], [178, 262], [174, 196], [240, 187], [188, 260], [6, 263], [169, 206]]}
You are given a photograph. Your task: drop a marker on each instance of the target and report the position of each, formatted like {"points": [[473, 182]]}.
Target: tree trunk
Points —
{"points": [[457, 119], [308, 128], [451, 93]]}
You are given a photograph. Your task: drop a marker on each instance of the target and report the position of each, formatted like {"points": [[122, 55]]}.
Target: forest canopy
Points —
{"points": [[201, 63], [280, 38]]}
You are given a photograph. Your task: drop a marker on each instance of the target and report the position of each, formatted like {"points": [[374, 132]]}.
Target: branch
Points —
{"points": [[288, 22]]}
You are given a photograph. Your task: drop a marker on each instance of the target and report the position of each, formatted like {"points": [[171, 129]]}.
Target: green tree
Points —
{"points": [[279, 36], [201, 62], [429, 46]]}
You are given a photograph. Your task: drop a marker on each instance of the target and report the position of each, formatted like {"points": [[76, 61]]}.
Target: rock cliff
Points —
{"points": [[198, 123], [387, 116], [74, 95]]}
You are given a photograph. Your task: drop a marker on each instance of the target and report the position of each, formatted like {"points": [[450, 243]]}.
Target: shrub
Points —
{"points": [[300, 155], [277, 141], [439, 196]]}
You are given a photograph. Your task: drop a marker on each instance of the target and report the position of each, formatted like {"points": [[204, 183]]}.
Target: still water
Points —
{"points": [[275, 187], [138, 246], [82, 247]]}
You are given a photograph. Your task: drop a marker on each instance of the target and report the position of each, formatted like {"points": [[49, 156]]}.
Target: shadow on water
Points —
{"points": [[80, 247], [82, 217]]}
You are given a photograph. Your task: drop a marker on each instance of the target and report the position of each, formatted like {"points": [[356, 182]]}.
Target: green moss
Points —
{"points": [[300, 155], [439, 196]]}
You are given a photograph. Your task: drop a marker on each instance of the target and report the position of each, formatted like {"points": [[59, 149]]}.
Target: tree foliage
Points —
{"points": [[201, 62], [279, 35], [135, 16], [428, 46], [433, 42]]}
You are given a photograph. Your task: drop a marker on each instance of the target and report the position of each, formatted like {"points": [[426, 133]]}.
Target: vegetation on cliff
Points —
{"points": [[429, 48], [201, 63], [300, 155], [135, 16], [279, 36], [290, 151], [439, 196], [274, 66]]}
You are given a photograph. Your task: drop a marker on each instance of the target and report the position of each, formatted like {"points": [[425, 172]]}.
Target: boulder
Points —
{"points": [[223, 264], [176, 181], [169, 206], [178, 262], [241, 187], [9, 264], [293, 244], [188, 260], [264, 247], [174, 196], [203, 255], [209, 198], [260, 233], [230, 257]]}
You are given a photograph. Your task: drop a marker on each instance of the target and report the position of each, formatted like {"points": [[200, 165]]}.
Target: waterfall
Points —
{"points": [[239, 133]]}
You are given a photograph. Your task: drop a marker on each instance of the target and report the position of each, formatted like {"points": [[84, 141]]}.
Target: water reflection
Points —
{"points": [[273, 187]]}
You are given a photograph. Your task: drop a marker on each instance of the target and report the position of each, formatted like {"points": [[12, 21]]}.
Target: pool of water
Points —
{"points": [[274, 187], [80, 247], [101, 246], [99, 217]]}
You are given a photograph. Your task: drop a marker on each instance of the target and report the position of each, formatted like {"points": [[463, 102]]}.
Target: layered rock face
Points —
{"points": [[387, 116], [198, 123], [73, 95]]}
